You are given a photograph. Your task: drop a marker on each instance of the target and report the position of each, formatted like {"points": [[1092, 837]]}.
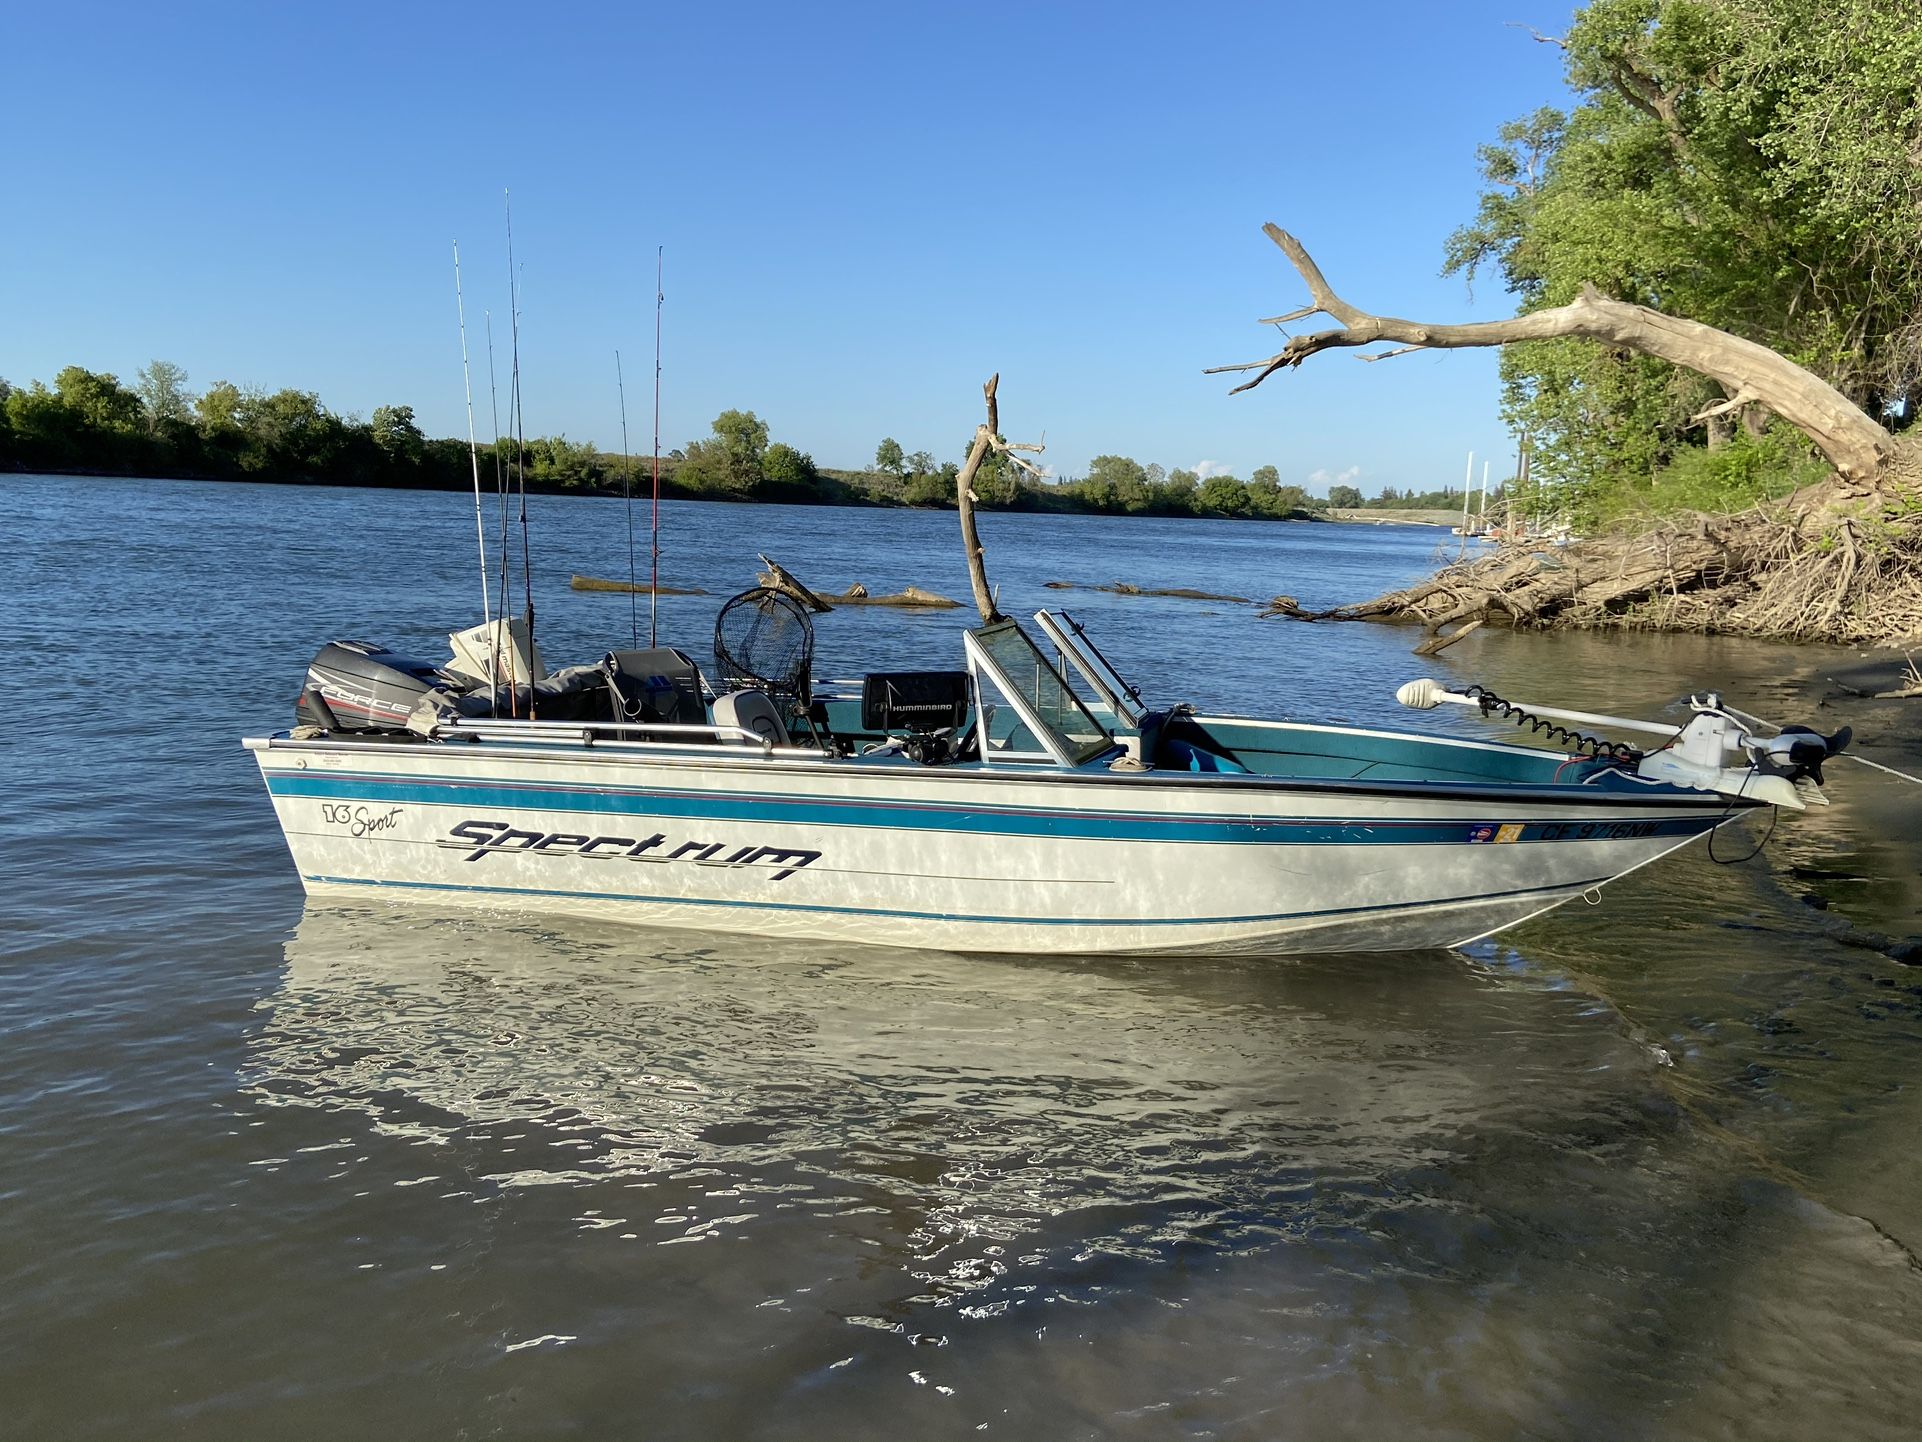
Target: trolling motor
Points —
{"points": [[1712, 751], [1798, 752], [1716, 738]]}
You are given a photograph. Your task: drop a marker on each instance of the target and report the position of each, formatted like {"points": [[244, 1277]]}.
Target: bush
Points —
{"points": [[1731, 477]]}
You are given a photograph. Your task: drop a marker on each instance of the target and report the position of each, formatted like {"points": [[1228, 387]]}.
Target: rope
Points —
{"points": [[1775, 814], [1845, 756]]}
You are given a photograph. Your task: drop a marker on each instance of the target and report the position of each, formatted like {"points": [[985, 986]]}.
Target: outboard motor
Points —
{"points": [[357, 686]]}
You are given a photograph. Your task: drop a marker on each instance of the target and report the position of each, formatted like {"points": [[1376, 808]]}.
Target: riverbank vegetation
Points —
{"points": [[1718, 352], [89, 422], [1755, 165]]}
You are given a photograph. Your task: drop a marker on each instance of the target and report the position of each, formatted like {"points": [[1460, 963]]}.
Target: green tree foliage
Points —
{"points": [[932, 487], [1747, 163], [87, 421], [219, 409], [1345, 497], [997, 482], [731, 459], [556, 461], [291, 430], [1116, 483], [397, 435], [889, 460], [788, 469], [929, 483], [98, 401], [1224, 494], [162, 387]]}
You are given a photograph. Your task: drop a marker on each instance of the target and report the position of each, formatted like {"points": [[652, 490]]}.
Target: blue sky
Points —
{"points": [[866, 210]]}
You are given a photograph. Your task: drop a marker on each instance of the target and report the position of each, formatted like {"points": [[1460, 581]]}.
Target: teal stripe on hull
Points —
{"points": [[985, 820], [1570, 887]]}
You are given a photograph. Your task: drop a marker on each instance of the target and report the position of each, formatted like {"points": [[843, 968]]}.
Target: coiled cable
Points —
{"points": [[1602, 749]]}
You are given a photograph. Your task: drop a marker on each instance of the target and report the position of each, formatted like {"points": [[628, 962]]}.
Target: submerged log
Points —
{"points": [[779, 578], [595, 583], [1440, 642], [1124, 588], [912, 599]]}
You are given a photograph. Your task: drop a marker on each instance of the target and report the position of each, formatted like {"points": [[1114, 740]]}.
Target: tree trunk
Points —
{"points": [[1853, 443]]}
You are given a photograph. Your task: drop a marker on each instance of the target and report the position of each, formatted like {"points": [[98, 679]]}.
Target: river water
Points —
{"points": [[1643, 1170]]}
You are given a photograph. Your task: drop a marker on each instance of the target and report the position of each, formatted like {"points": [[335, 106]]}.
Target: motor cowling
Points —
{"points": [[359, 686]]}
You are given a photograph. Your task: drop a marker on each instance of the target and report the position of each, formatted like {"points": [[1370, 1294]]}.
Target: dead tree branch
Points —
{"points": [[1853, 443], [988, 440]]}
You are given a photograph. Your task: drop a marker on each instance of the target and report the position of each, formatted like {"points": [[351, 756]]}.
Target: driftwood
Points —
{"points": [[1911, 679], [1123, 588], [987, 440], [1760, 573], [595, 583], [912, 599], [778, 578]]}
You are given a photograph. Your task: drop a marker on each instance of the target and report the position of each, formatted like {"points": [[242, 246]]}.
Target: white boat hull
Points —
{"points": [[947, 857]]}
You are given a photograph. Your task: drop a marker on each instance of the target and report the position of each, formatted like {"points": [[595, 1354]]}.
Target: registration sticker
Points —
{"points": [[1490, 832]]}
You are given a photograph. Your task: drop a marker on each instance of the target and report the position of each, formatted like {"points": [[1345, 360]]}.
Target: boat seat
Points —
{"points": [[751, 711]]}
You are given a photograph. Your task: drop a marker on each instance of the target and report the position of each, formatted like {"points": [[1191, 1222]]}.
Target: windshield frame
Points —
{"points": [[1029, 703], [1080, 651]]}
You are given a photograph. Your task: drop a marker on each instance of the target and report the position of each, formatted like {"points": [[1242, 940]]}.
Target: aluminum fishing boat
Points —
{"points": [[1026, 801]]}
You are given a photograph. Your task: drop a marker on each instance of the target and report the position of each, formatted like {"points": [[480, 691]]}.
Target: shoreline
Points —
{"points": [[845, 497]]}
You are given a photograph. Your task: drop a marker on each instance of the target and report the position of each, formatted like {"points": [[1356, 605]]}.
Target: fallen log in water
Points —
{"points": [[595, 583], [1123, 588], [778, 578], [913, 599]]}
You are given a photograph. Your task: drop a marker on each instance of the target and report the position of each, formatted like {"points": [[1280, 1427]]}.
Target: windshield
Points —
{"points": [[1116, 697], [1021, 672]]}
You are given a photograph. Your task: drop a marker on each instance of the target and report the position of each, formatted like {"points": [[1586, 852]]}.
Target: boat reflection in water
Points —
{"points": [[1062, 1108], [904, 1192]]}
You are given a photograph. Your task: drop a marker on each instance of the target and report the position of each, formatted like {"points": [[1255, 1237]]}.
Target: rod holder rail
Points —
{"points": [[588, 733]]}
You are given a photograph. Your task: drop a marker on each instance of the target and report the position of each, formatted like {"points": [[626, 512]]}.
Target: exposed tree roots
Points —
{"points": [[1837, 562]]}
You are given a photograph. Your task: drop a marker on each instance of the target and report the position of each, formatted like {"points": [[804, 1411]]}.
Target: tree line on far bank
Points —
{"points": [[89, 422]]}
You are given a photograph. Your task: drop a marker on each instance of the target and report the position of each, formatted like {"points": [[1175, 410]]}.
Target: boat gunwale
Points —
{"points": [[1659, 795]]}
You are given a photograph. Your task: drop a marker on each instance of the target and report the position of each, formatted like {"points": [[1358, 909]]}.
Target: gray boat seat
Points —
{"points": [[752, 711]]}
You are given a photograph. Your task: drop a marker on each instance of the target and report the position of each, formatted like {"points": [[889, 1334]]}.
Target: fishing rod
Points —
{"points": [[473, 448], [500, 489], [518, 419], [627, 496], [654, 590]]}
